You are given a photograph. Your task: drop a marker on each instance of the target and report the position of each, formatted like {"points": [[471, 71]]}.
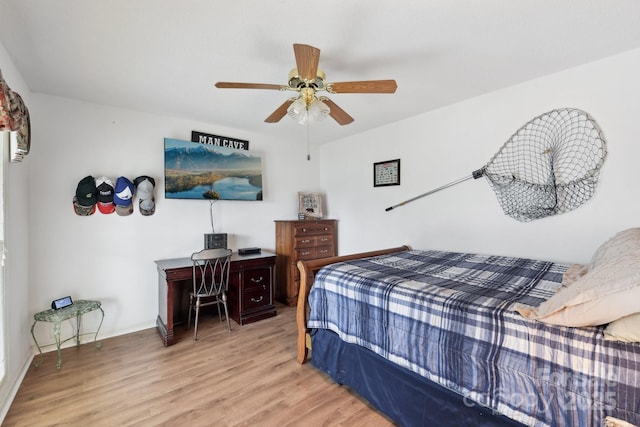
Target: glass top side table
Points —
{"points": [[77, 309]]}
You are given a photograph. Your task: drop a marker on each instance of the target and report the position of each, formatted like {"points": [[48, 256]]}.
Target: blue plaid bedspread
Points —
{"points": [[448, 317]]}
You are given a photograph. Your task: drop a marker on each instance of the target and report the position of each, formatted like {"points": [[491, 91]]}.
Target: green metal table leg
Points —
{"points": [[98, 343], [78, 317], [36, 363], [56, 334]]}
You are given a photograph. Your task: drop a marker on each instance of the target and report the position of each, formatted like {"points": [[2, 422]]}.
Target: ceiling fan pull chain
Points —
{"points": [[308, 142]]}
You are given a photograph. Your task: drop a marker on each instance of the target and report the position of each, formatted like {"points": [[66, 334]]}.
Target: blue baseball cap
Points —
{"points": [[123, 192]]}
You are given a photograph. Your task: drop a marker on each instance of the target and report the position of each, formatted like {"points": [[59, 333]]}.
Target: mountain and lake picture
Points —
{"points": [[209, 172]]}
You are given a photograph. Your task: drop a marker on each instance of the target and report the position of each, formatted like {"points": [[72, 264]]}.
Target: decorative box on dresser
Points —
{"points": [[300, 240]]}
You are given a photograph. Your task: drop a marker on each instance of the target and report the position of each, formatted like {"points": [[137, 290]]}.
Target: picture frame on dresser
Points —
{"points": [[310, 205]]}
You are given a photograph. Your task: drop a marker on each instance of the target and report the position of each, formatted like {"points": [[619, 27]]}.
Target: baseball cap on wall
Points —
{"points": [[84, 202], [123, 196], [144, 189], [147, 207], [124, 210], [105, 190], [123, 191], [144, 186], [82, 210]]}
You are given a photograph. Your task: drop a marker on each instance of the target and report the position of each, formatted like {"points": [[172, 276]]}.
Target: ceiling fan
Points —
{"points": [[307, 79]]}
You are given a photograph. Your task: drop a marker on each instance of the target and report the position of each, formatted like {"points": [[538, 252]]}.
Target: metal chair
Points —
{"points": [[210, 283]]}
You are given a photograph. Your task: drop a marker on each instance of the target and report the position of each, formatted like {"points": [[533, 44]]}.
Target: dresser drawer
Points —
{"points": [[304, 253], [313, 228], [325, 240], [325, 251], [313, 241], [305, 242], [257, 278], [256, 298], [313, 253]]}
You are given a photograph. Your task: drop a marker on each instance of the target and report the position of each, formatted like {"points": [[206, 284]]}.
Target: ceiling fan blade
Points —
{"points": [[337, 113], [280, 112], [366, 86], [307, 59], [229, 85]]}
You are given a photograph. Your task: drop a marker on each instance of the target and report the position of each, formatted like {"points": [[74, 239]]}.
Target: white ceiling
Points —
{"points": [[164, 56]]}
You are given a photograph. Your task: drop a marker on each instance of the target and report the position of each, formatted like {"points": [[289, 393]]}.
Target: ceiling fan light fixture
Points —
{"points": [[298, 111], [318, 110], [301, 111]]}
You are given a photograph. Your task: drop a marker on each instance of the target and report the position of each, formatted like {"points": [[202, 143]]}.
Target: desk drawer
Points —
{"points": [[257, 278], [256, 298]]}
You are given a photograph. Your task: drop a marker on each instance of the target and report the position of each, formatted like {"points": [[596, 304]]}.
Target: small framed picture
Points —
{"points": [[386, 173], [309, 205]]}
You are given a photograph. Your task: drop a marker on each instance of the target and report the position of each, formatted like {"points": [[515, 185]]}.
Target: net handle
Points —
{"points": [[475, 175]]}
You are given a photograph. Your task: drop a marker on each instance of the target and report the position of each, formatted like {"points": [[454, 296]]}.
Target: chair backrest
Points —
{"points": [[211, 271]]}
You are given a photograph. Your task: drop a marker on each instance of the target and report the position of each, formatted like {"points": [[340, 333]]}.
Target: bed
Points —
{"points": [[433, 338]]}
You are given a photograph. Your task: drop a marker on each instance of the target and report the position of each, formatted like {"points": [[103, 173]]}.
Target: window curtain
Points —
{"points": [[14, 117], [4, 140]]}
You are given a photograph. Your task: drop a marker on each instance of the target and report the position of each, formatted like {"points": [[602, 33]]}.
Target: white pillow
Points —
{"points": [[573, 273], [626, 329], [615, 422], [621, 243], [609, 290]]}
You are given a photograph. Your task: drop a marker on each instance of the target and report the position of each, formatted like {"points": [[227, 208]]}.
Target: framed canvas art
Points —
{"points": [[209, 172]]}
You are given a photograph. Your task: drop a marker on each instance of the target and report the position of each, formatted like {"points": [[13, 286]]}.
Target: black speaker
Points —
{"points": [[215, 241]]}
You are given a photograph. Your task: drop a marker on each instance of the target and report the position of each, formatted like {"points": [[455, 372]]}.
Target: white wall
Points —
{"points": [[442, 146], [16, 281], [111, 257]]}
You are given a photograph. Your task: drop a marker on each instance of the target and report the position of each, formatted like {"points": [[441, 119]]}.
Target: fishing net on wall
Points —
{"points": [[549, 166]]}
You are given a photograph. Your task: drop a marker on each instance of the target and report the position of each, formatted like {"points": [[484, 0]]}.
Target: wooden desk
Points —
{"points": [[250, 296]]}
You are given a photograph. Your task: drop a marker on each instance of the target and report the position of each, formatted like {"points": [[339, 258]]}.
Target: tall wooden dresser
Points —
{"points": [[301, 240]]}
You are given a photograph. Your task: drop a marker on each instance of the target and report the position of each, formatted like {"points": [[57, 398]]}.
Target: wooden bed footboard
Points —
{"points": [[308, 270]]}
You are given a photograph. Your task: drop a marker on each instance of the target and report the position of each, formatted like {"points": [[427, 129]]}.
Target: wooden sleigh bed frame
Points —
{"points": [[411, 398], [308, 270]]}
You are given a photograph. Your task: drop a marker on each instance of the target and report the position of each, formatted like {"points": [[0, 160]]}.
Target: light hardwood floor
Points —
{"points": [[244, 378]]}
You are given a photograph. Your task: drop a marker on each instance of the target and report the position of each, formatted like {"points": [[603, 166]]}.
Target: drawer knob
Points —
{"points": [[257, 299], [258, 280]]}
